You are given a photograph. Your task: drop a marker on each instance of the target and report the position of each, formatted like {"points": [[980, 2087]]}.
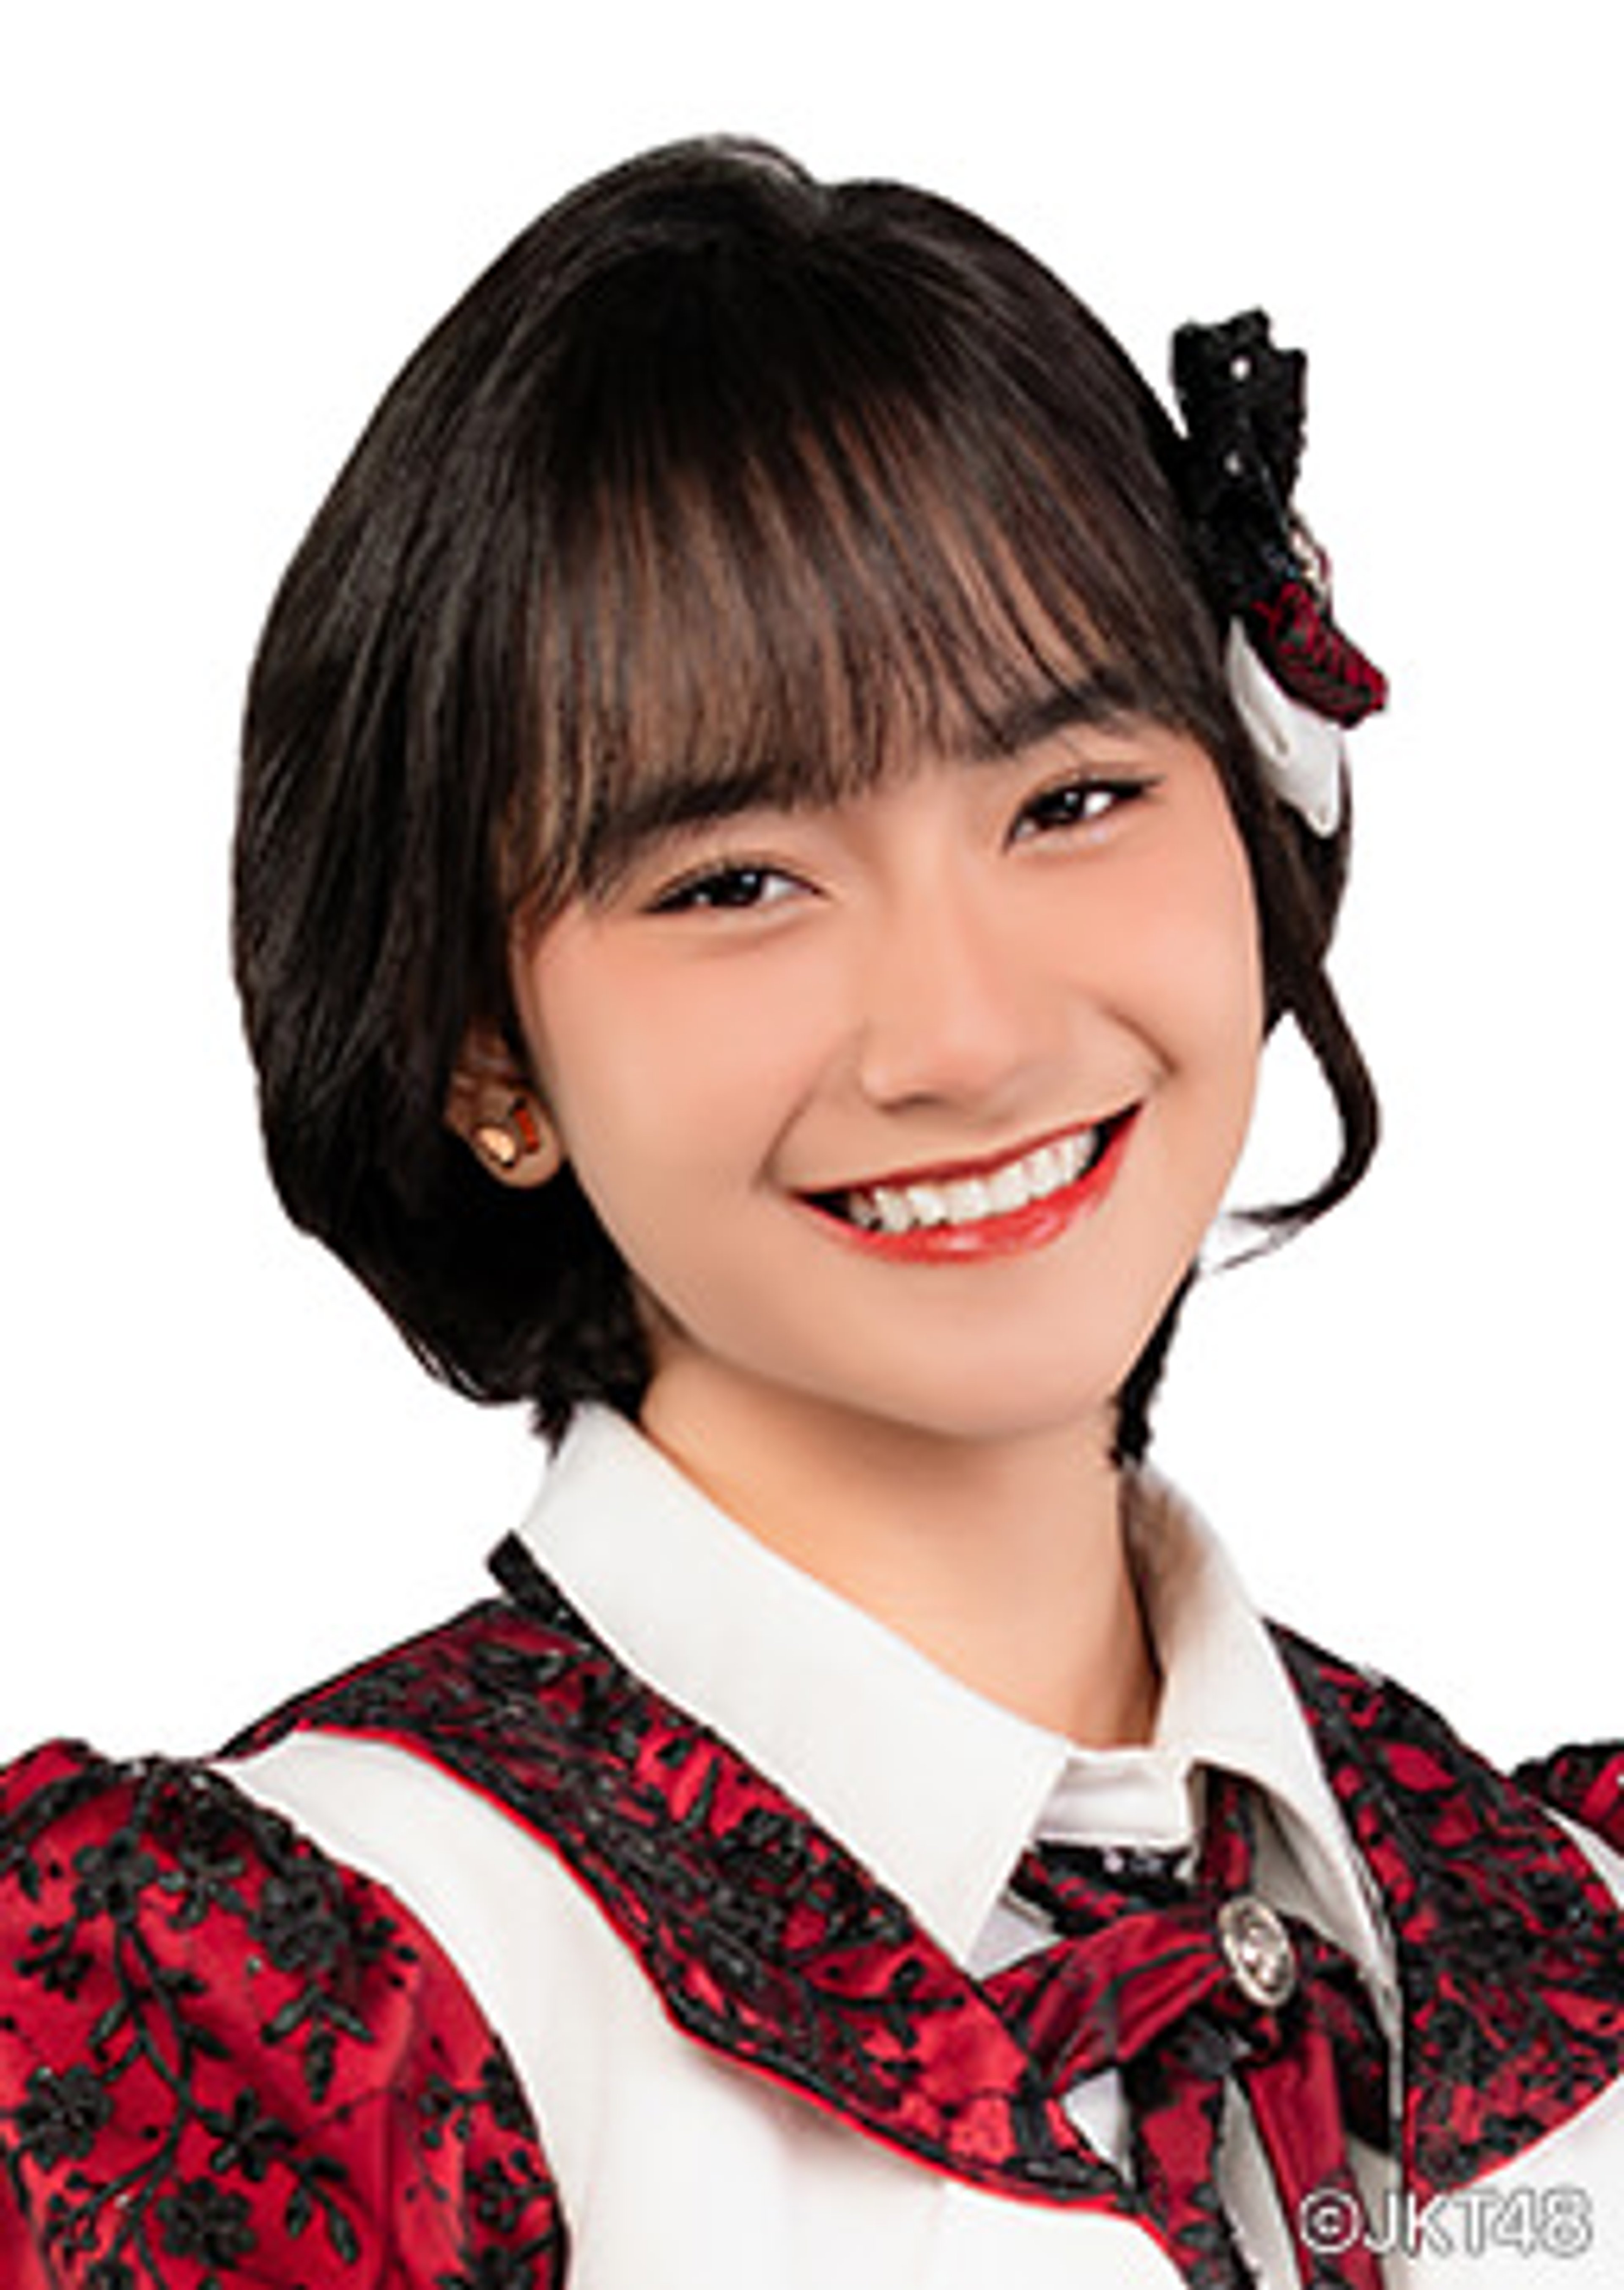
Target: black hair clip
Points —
{"points": [[1242, 399]]}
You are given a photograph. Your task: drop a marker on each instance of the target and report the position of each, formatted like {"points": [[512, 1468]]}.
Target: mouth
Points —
{"points": [[1017, 1201]]}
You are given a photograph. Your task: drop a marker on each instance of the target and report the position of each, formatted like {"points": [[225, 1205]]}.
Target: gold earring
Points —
{"points": [[496, 1143], [505, 1143]]}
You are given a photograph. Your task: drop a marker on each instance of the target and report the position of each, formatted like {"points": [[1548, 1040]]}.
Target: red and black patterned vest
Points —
{"points": [[222, 2055]]}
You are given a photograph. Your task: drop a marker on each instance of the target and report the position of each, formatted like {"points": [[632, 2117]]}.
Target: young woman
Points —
{"points": [[782, 800]]}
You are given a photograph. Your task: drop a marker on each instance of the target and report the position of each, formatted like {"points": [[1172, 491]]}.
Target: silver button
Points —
{"points": [[1257, 1950]]}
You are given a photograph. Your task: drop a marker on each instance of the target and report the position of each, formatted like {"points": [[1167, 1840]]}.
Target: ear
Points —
{"points": [[493, 1107]]}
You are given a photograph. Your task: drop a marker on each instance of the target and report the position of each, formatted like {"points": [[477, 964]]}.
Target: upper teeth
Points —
{"points": [[967, 1200]]}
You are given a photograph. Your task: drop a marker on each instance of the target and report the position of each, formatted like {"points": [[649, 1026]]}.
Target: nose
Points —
{"points": [[949, 1013]]}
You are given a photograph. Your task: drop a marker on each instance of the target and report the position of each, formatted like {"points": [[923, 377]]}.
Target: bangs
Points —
{"points": [[805, 533]]}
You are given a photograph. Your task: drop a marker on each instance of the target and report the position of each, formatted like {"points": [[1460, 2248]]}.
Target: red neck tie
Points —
{"points": [[1180, 1988]]}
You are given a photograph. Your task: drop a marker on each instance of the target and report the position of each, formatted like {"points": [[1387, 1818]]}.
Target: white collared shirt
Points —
{"points": [[682, 2170]]}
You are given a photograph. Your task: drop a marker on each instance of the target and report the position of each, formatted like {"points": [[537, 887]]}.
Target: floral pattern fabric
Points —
{"points": [[224, 2059], [766, 1941], [1510, 1944]]}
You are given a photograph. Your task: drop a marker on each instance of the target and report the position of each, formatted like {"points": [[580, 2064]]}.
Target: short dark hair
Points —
{"points": [[720, 480]]}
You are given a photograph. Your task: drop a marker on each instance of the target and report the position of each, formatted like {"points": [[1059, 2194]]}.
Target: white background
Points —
{"points": [[224, 228]]}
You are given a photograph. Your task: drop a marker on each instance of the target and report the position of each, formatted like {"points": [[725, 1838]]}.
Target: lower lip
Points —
{"points": [[1015, 1233]]}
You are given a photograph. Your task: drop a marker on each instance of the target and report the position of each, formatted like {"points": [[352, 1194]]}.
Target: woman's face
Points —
{"points": [[915, 1107]]}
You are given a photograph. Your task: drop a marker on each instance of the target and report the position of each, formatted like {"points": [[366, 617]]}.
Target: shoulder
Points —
{"points": [[1461, 1850], [1369, 1728], [1586, 1782], [217, 2044]]}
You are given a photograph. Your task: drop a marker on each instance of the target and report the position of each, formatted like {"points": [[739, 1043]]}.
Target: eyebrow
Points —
{"points": [[1103, 700], [619, 838]]}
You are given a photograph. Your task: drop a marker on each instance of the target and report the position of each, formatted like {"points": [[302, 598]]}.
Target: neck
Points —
{"points": [[1002, 1561]]}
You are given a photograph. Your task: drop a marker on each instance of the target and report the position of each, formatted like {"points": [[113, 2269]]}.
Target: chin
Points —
{"points": [[976, 1408]]}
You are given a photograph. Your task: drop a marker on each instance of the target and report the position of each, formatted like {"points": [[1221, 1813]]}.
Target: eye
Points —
{"points": [[1076, 803], [730, 888]]}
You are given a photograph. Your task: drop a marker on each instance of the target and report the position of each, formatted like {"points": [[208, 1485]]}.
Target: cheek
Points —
{"points": [[587, 1072], [1225, 960], [654, 1081], [589, 1090], [1200, 971]]}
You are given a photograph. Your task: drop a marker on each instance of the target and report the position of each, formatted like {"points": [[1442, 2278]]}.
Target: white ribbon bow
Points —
{"points": [[1301, 752]]}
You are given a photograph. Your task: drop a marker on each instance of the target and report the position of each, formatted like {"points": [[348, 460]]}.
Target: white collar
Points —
{"points": [[936, 1790]]}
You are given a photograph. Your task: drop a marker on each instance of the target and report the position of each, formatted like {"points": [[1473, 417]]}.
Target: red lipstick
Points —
{"points": [[1011, 1232]]}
